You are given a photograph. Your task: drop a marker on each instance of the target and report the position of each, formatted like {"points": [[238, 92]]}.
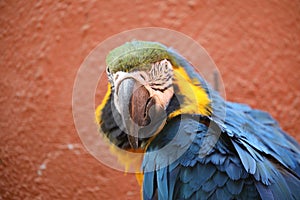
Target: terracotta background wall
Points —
{"points": [[255, 44]]}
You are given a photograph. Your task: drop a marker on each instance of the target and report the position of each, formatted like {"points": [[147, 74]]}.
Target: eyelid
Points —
{"points": [[107, 70]]}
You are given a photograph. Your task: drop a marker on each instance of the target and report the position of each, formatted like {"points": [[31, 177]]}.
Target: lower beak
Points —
{"points": [[140, 114]]}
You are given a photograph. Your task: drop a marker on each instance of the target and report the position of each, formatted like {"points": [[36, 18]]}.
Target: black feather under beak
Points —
{"points": [[141, 116]]}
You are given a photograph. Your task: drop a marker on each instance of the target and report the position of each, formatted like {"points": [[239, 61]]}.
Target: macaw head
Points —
{"points": [[149, 84]]}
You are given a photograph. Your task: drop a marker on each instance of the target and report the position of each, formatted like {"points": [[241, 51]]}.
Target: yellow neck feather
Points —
{"points": [[103, 103], [195, 100]]}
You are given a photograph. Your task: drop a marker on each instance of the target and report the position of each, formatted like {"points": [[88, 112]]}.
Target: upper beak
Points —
{"points": [[140, 114]]}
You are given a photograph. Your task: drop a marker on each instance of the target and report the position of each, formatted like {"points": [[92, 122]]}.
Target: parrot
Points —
{"points": [[158, 104]]}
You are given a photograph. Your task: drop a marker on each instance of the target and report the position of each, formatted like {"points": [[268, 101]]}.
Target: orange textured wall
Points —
{"points": [[255, 44]]}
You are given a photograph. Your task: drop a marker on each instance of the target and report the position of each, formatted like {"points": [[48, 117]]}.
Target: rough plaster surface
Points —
{"points": [[255, 44]]}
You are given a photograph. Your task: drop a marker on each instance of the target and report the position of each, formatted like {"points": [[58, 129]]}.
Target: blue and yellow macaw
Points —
{"points": [[157, 104]]}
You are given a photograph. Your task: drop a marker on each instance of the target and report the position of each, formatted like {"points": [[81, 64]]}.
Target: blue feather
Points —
{"points": [[223, 194], [209, 186], [172, 179], [293, 184], [200, 195], [280, 189], [262, 117], [233, 171], [248, 162], [148, 185], [186, 175], [217, 159], [162, 184], [265, 172], [185, 192], [203, 173], [220, 178], [235, 187], [264, 191]]}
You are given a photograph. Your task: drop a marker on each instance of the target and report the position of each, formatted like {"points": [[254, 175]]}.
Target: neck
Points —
{"points": [[191, 96]]}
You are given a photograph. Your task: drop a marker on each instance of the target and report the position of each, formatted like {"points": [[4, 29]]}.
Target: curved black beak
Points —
{"points": [[140, 114]]}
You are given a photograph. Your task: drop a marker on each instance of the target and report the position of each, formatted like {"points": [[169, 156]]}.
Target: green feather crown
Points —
{"points": [[136, 55]]}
